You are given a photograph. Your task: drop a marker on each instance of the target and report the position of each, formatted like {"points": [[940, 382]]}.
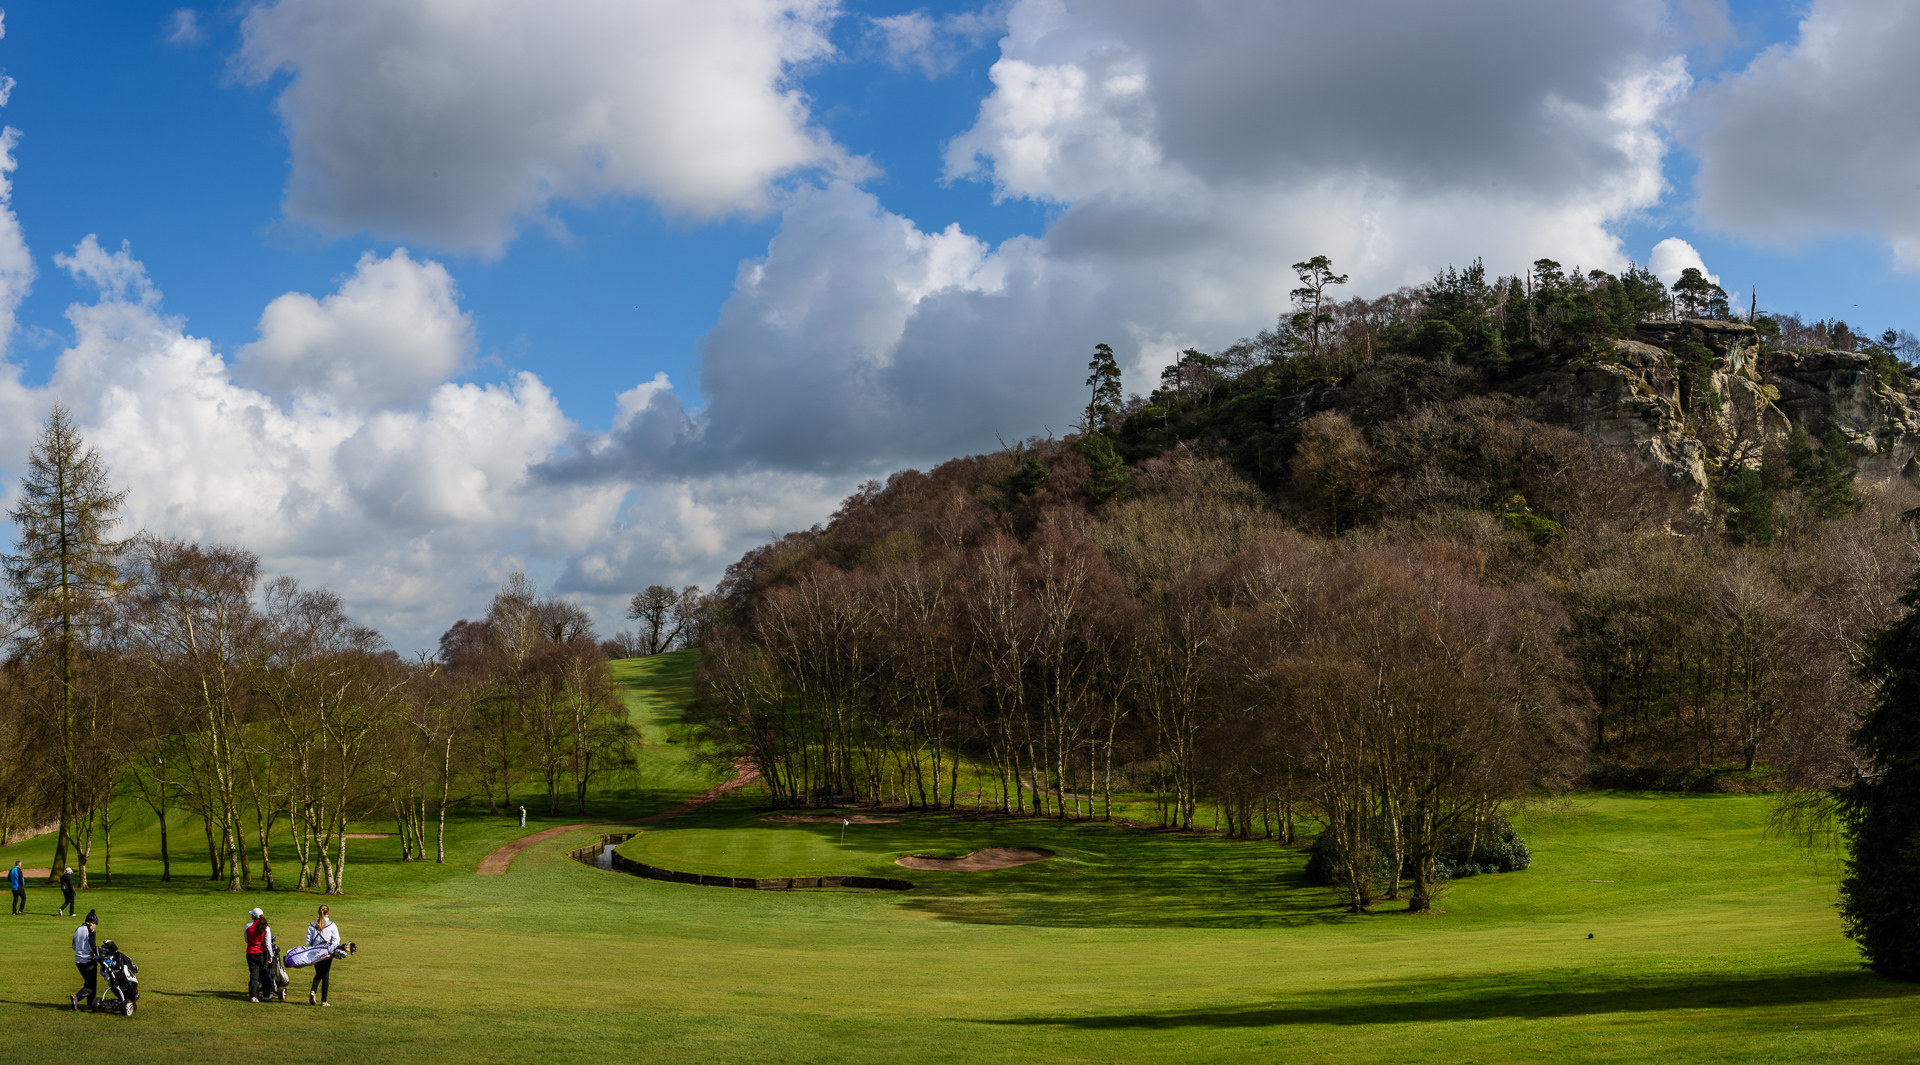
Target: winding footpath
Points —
{"points": [[495, 864]]}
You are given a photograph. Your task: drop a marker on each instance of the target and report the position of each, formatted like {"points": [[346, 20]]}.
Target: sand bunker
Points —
{"points": [[832, 819], [979, 861], [369, 835]]}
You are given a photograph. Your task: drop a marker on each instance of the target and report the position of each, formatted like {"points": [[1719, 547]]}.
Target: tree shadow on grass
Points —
{"points": [[61, 1005], [231, 996], [1520, 996]]}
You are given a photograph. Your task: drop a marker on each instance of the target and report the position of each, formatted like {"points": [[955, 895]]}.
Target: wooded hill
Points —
{"points": [[1394, 564]]}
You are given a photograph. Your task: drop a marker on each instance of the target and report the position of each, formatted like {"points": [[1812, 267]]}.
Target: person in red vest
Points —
{"points": [[259, 939]]}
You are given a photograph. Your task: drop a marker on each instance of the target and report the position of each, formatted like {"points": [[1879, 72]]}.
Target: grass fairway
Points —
{"points": [[1711, 943]]}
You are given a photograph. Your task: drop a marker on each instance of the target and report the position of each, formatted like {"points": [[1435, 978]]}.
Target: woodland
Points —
{"points": [[1395, 617], [1387, 620], [163, 674]]}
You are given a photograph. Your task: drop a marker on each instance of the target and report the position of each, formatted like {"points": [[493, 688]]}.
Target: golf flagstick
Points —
{"points": [[843, 831]]}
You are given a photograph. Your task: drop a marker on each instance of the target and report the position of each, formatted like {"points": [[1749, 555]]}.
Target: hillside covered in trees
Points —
{"points": [[1390, 565]]}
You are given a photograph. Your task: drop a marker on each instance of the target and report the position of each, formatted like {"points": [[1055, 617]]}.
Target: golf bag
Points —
{"points": [[122, 978], [301, 957]]}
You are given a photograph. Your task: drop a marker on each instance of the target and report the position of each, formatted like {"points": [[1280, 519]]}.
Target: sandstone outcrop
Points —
{"points": [[1639, 396], [1740, 400]]}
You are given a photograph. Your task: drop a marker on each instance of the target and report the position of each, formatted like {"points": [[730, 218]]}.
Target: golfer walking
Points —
{"points": [[17, 880], [86, 958], [66, 893], [322, 933], [259, 955]]}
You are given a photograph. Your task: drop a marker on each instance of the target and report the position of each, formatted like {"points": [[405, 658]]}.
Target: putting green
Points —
{"points": [[1711, 943]]}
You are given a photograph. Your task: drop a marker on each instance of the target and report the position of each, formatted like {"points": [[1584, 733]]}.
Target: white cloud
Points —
{"points": [[1673, 255], [456, 123], [398, 509], [413, 510], [16, 263], [1188, 153], [685, 531], [392, 332], [1818, 136], [183, 28], [1193, 152], [935, 46]]}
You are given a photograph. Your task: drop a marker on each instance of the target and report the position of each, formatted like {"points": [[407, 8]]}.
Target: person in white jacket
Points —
{"points": [[86, 957], [322, 933]]}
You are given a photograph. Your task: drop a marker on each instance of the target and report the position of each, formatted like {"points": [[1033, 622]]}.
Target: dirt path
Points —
{"points": [[495, 864]]}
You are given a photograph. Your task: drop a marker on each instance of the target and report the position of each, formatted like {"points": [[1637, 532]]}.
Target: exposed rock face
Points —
{"points": [[1822, 389], [1638, 397], [1747, 400]]}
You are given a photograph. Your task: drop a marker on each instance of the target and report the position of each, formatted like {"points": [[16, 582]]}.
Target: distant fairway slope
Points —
{"points": [[1710, 943]]}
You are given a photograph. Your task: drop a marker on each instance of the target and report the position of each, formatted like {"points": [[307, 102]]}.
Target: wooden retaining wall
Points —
{"points": [[591, 856]]}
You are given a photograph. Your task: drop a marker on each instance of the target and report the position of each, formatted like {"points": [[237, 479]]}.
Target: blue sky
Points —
{"points": [[853, 237], [135, 138]]}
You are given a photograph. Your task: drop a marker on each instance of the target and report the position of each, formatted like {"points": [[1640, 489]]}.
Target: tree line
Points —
{"points": [[177, 674], [1393, 619]]}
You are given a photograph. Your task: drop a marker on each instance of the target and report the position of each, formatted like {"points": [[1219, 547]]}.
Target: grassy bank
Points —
{"points": [[1710, 943]]}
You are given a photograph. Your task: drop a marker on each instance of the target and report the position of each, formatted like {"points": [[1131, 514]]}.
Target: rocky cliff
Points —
{"points": [[1740, 399]]}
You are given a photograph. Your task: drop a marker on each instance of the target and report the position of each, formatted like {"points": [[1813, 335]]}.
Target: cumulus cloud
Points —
{"points": [[455, 124], [684, 531], [397, 508], [1130, 97], [393, 332], [1819, 135], [413, 509], [1192, 153], [1673, 255]]}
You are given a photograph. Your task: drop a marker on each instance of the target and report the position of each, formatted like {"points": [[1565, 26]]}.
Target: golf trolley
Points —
{"points": [[122, 979]]}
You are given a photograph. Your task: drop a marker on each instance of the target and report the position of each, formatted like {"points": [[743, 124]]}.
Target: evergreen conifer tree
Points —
{"points": [[1697, 293], [1827, 477], [1103, 408], [62, 575], [1310, 318], [1519, 327], [1880, 810], [1749, 507]]}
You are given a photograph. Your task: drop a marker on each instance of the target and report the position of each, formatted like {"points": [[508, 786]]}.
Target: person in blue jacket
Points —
{"points": [[17, 880]]}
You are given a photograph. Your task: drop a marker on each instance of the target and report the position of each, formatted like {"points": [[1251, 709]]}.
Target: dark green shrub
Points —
{"points": [[1029, 478], [1499, 849], [1324, 867]]}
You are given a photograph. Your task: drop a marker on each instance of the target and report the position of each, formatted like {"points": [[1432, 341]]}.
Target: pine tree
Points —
{"points": [[1647, 292], [1749, 507], [1827, 477], [1519, 328], [1103, 409], [1625, 314], [1111, 478], [63, 573], [1310, 317], [1698, 293], [1880, 810]]}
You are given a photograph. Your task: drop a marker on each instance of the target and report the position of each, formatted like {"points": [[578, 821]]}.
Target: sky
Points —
{"points": [[407, 295]]}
